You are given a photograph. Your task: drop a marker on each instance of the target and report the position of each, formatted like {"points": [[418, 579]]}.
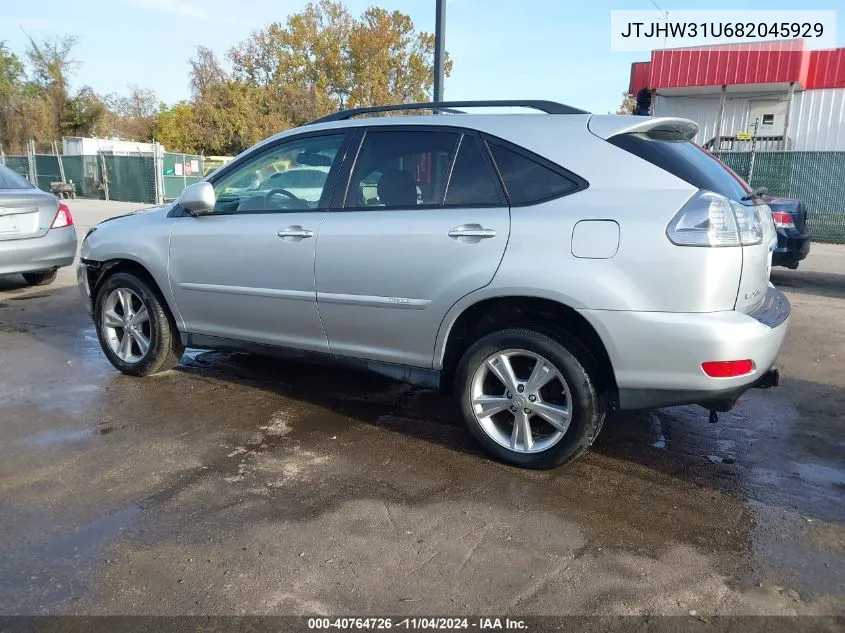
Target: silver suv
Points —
{"points": [[544, 267]]}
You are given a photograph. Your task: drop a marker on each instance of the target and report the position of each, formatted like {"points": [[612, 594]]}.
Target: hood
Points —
{"points": [[161, 208]]}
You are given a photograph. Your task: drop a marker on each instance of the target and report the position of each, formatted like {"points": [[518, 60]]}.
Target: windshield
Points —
{"points": [[297, 179], [12, 180]]}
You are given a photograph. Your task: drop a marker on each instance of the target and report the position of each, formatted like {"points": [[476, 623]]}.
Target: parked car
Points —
{"points": [[37, 236], [542, 268], [790, 220], [306, 183], [790, 217]]}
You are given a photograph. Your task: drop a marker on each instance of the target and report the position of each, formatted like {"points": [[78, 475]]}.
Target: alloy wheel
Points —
{"points": [[126, 325], [521, 400]]}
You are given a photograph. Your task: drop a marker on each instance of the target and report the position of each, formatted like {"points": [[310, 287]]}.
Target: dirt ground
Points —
{"points": [[237, 484]]}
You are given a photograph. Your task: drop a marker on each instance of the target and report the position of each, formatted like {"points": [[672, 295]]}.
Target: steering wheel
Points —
{"points": [[284, 192]]}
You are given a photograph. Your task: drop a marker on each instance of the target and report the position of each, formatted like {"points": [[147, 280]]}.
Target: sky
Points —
{"points": [[501, 49]]}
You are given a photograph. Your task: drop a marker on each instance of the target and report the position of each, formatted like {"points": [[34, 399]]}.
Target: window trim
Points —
{"points": [[257, 152], [342, 192], [580, 183]]}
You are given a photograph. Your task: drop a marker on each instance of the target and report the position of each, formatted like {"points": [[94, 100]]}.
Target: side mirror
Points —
{"points": [[198, 198]]}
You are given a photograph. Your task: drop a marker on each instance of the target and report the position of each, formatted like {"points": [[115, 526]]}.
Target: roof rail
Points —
{"points": [[549, 107]]}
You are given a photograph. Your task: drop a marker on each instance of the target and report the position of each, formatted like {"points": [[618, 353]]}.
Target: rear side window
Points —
{"points": [[687, 161], [528, 181], [12, 180], [471, 182]]}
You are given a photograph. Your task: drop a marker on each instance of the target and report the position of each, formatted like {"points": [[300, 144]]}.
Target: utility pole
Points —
{"points": [[439, 46]]}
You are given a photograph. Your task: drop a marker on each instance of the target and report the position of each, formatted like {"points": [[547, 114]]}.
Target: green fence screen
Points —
{"points": [[130, 178], [817, 178], [179, 171], [18, 164]]}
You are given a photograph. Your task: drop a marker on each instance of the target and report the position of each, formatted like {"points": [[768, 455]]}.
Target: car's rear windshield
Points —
{"points": [[687, 161], [12, 180]]}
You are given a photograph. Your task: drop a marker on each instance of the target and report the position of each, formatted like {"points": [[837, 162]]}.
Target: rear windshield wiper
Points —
{"points": [[759, 192]]}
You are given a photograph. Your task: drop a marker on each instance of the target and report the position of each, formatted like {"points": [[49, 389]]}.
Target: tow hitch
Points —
{"points": [[770, 379]]}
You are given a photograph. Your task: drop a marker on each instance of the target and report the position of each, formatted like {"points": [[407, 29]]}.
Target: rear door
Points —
{"points": [[422, 222], [25, 212]]}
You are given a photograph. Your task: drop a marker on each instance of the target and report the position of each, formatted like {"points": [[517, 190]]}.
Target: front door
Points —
{"points": [[423, 224], [246, 271]]}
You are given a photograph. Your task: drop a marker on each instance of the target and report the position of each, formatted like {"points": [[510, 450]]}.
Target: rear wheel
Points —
{"points": [[530, 399], [134, 326], [41, 278]]}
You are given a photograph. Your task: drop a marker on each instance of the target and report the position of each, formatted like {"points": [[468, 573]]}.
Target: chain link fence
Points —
{"points": [[817, 178], [104, 176], [179, 171]]}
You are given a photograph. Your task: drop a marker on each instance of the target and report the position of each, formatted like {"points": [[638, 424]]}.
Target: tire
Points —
{"points": [[41, 278], [574, 387], [164, 347]]}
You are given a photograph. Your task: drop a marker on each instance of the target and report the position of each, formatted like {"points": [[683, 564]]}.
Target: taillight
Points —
{"points": [[728, 368], [711, 219], [783, 220], [63, 217]]}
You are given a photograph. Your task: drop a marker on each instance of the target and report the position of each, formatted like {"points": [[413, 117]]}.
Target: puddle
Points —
{"points": [[821, 475], [50, 437], [93, 534]]}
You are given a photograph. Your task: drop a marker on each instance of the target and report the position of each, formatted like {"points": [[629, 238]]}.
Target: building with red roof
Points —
{"points": [[786, 96]]}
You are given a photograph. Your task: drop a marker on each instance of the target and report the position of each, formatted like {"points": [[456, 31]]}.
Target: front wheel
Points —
{"points": [[530, 399], [134, 327]]}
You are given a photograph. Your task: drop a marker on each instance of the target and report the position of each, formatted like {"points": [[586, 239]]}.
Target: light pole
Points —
{"points": [[439, 45]]}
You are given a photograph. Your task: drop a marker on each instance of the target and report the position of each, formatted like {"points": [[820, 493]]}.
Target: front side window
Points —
{"points": [[292, 176], [401, 169]]}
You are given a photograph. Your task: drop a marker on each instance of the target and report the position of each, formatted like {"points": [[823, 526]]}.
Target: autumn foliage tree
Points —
{"points": [[628, 104], [321, 59], [285, 74]]}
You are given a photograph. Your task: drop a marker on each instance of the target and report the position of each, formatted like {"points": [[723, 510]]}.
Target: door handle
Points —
{"points": [[295, 233], [473, 231]]}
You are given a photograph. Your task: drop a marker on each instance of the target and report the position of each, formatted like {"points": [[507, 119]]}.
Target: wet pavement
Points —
{"points": [[237, 484]]}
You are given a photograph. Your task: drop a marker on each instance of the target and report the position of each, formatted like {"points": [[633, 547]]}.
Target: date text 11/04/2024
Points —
{"points": [[416, 623], [722, 29]]}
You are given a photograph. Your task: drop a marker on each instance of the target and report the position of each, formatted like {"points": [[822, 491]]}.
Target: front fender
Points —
{"points": [[142, 239]]}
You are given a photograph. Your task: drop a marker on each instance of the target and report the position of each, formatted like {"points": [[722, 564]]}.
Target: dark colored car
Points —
{"points": [[790, 218]]}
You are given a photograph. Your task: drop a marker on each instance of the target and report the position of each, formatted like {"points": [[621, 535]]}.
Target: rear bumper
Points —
{"points": [[55, 249], [657, 356], [792, 248]]}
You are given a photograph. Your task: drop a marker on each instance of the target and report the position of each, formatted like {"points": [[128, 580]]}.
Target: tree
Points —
{"points": [[320, 59], [175, 127], [379, 58], [51, 64], [206, 71], [82, 113], [628, 104], [389, 62], [11, 70], [134, 113]]}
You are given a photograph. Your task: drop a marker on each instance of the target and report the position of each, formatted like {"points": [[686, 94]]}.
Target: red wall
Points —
{"points": [[827, 69]]}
